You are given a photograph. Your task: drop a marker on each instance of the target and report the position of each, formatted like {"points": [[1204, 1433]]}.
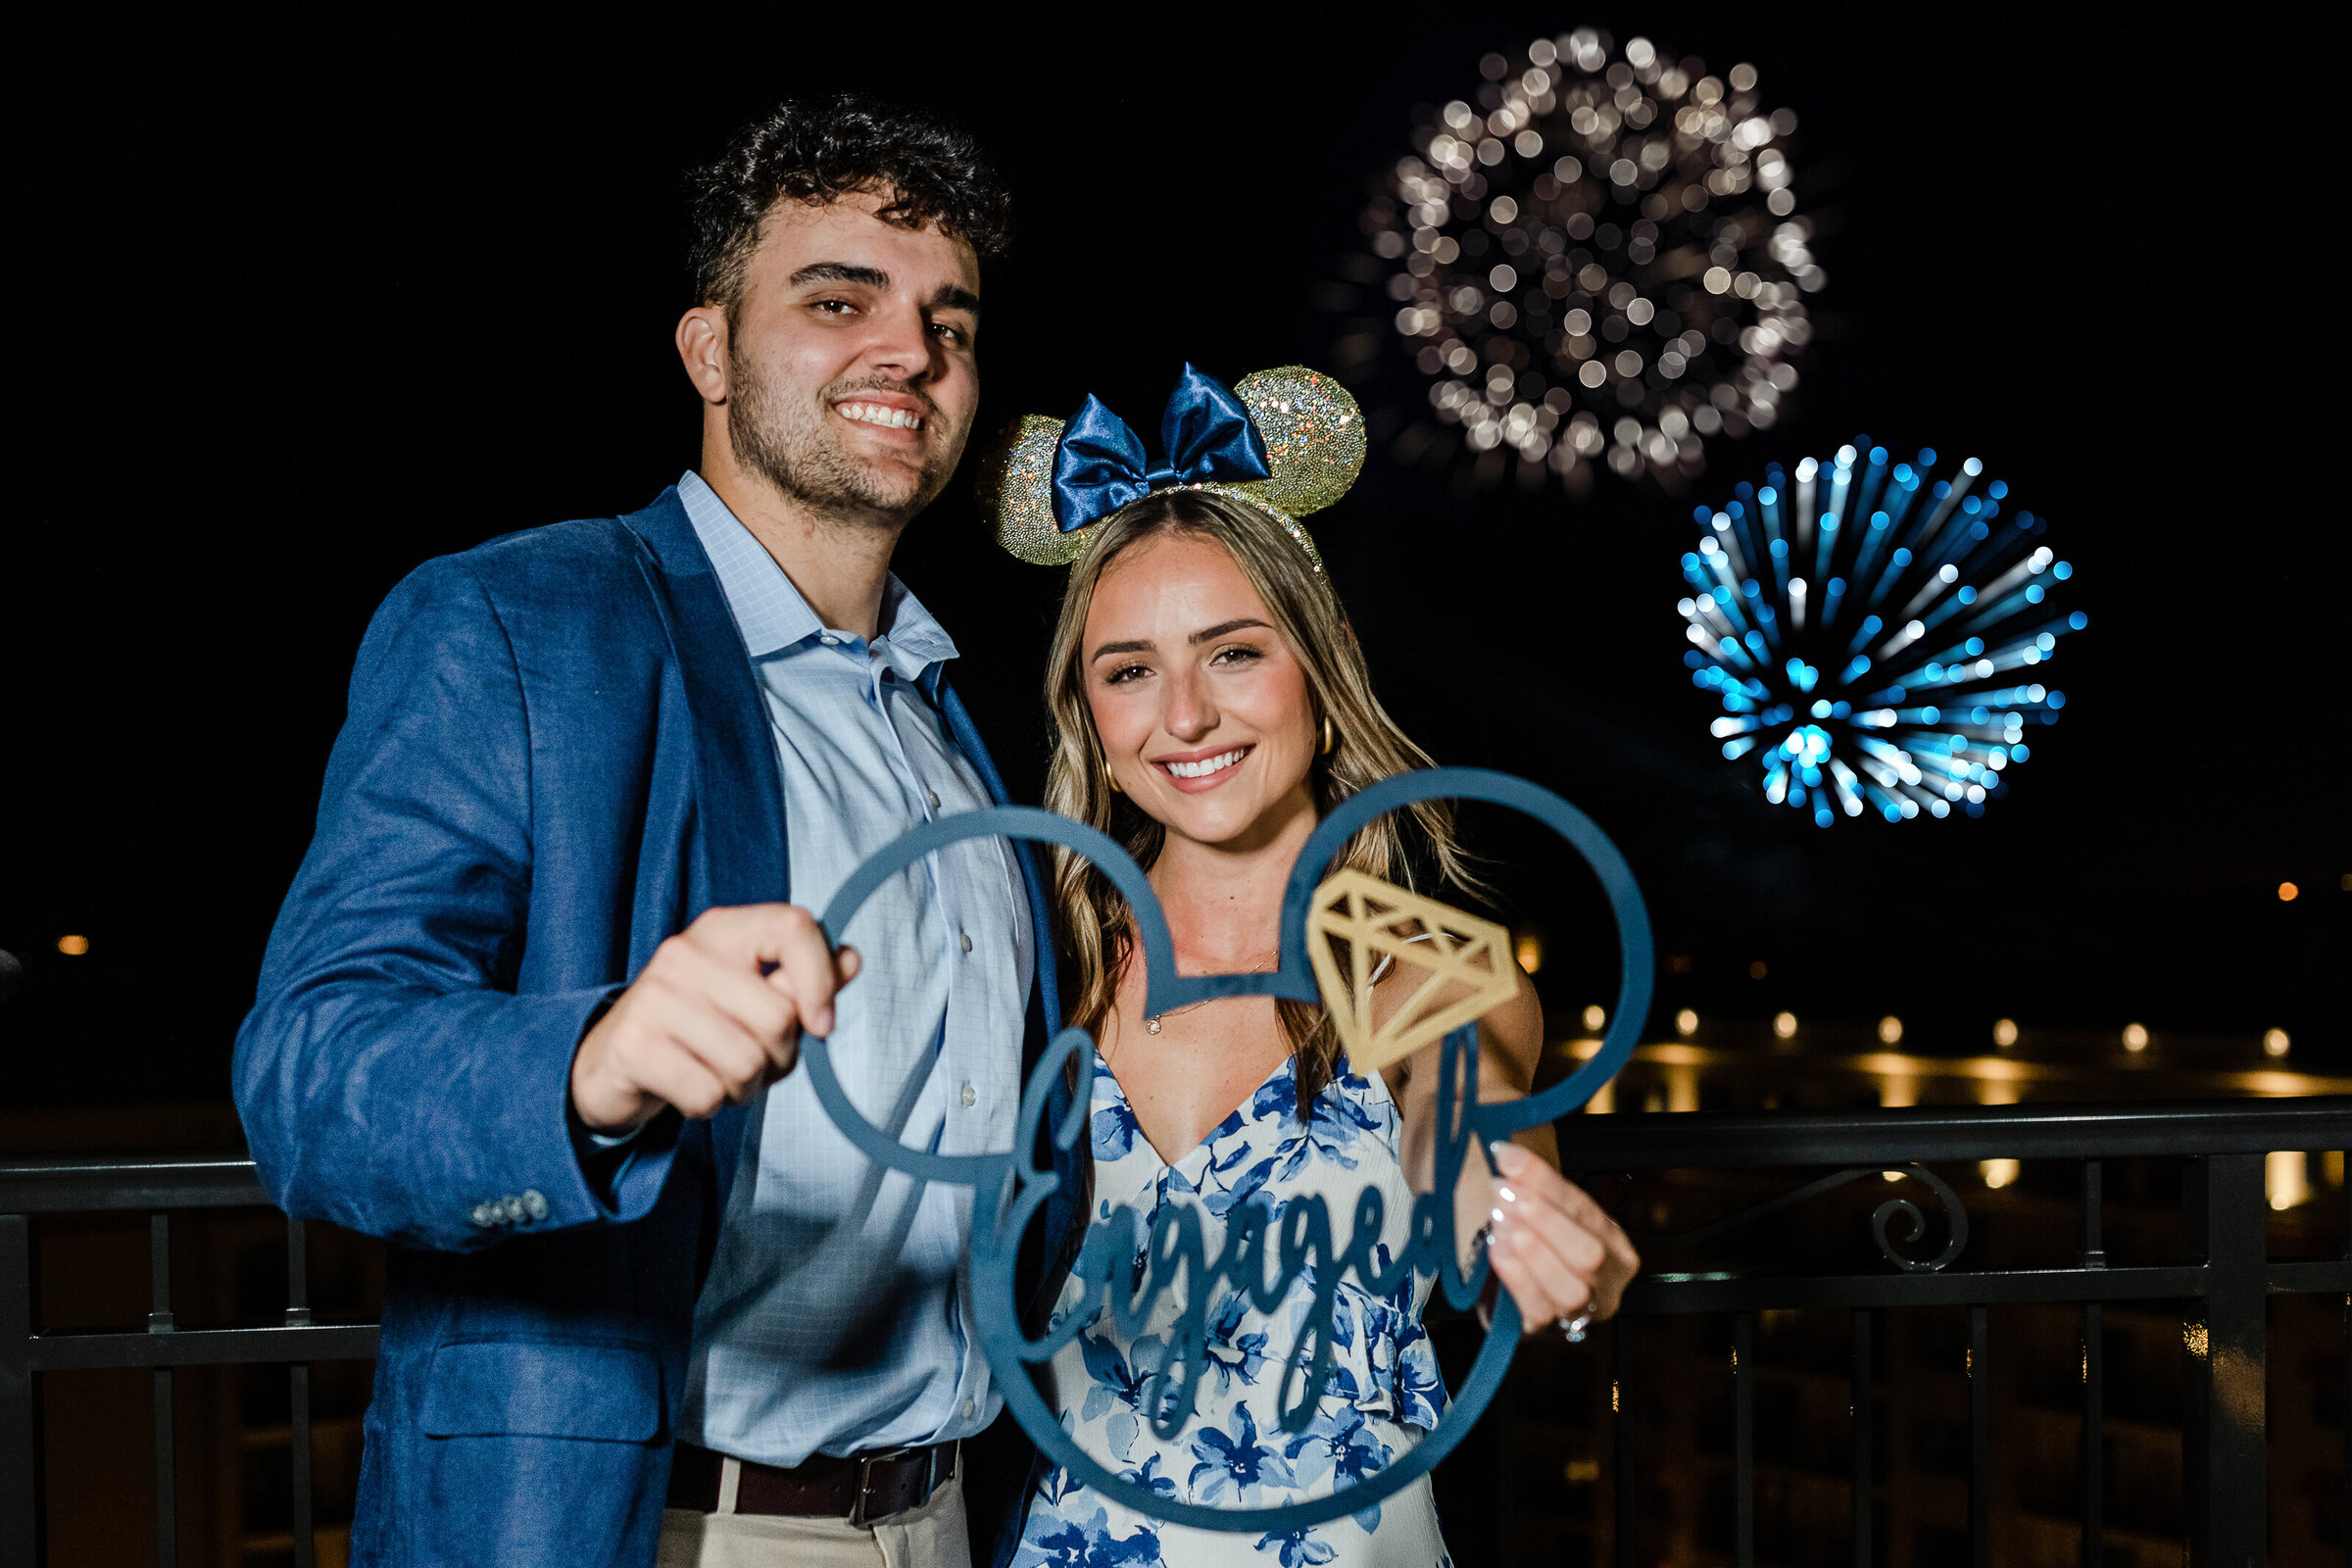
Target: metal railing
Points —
{"points": [[158, 1185], [2226, 1283], [2227, 1280]]}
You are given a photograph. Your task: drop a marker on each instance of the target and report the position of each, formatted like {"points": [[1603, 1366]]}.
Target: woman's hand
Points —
{"points": [[1552, 1247]]}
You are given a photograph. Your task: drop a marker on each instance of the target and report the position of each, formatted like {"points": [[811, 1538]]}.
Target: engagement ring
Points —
{"points": [[1573, 1328]]}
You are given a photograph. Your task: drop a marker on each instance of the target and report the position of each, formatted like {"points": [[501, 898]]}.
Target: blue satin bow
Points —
{"points": [[1099, 464]]}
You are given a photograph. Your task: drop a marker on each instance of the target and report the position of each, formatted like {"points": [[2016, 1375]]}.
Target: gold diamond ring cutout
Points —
{"points": [[1453, 966]]}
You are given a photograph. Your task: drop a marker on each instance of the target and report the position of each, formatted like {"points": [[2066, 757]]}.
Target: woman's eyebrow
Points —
{"points": [[1124, 648], [1226, 628]]}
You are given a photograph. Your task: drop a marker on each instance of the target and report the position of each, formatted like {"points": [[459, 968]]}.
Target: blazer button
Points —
{"points": [[484, 1216], [534, 1205], [511, 1208]]}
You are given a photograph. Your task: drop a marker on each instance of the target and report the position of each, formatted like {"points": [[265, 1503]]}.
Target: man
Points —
{"points": [[532, 1006]]}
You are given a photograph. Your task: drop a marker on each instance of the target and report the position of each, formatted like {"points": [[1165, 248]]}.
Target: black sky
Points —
{"points": [[296, 312]]}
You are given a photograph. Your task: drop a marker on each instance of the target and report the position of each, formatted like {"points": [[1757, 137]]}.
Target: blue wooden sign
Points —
{"points": [[1125, 1271]]}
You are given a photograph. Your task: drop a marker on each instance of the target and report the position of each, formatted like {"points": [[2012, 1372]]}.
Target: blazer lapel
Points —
{"points": [[738, 796]]}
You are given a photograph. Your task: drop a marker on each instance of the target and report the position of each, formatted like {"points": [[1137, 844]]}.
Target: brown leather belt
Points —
{"points": [[860, 1488]]}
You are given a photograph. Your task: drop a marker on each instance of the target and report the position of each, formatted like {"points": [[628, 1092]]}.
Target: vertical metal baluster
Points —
{"points": [[1744, 1426], [1979, 1440], [2094, 1380], [159, 1321], [1621, 1421], [298, 1315], [19, 1408], [1862, 1438], [2225, 1470]]}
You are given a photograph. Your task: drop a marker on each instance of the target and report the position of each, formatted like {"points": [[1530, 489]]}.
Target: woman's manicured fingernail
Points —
{"points": [[1495, 1217], [1505, 1194]]}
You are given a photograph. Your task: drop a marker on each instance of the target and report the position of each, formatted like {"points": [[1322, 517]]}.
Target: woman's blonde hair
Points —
{"points": [[1367, 747]]}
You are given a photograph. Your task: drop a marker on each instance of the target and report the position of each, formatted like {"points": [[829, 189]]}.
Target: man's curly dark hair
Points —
{"points": [[823, 149]]}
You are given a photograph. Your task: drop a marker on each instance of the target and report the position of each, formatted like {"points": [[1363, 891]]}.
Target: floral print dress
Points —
{"points": [[1385, 1391]]}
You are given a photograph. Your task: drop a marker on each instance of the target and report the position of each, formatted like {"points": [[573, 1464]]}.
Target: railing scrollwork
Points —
{"points": [[1915, 1221]]}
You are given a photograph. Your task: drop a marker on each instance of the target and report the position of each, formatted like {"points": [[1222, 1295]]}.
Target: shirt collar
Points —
{"points": [[770, 611]]}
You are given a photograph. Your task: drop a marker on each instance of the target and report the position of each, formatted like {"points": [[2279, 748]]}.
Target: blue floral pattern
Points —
{"points": [[1385, 1390]]}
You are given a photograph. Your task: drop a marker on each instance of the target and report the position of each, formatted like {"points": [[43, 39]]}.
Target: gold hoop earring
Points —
{"points": [[1110, 778], [1330, 737]]}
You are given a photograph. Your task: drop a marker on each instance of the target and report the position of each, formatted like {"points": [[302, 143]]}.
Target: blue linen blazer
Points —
{"points": [[555, 757]]}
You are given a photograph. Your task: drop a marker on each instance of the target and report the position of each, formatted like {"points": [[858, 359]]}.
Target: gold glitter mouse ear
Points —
{"points": [[1017, 490], [1314, 436]]}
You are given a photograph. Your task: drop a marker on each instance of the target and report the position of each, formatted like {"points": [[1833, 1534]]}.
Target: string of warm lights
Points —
{"points": [[2133, 1037], [1899, 1076]]}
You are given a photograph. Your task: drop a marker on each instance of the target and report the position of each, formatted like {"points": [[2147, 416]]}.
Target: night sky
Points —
{"points": [[297, 312]]}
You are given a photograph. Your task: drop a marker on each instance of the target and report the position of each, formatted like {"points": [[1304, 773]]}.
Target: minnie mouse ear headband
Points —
{"points": [[1289, 441]]}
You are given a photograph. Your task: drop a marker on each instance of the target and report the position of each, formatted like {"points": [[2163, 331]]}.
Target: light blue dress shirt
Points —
{"points": [[836, 1316]]}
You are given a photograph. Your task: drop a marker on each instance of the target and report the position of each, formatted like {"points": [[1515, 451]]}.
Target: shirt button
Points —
{"points": [[971, 1094], [829, 638], [967, 1409], [934, 798], [964, 937]]}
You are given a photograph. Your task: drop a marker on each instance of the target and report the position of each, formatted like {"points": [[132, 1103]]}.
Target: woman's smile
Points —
{"points": [[1196, 771]]}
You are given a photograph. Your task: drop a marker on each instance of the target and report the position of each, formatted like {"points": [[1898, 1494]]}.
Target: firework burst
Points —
{"points": [[1597, 263], [1878, 636]]}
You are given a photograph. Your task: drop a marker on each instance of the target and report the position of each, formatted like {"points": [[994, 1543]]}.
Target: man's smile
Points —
{"points": [[885, 411]]}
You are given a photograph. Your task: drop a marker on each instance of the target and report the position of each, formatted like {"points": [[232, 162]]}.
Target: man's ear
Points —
{"points": [[702, 346]]}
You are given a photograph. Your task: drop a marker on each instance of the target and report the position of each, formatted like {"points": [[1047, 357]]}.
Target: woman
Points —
{"points": [[1212, 705]]}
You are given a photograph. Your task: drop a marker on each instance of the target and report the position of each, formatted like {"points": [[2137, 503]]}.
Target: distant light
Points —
{"points": [[2287, 892], [1595, 1017], [1783, 1025], [2273, 1041], [2286, 1178], [2004, 1031], [1755, 970], [1685, 1022], [1890, 1030], [1530, 952], [1998, 1173], [2136, 1037], [2346, 882], [72, 947]]}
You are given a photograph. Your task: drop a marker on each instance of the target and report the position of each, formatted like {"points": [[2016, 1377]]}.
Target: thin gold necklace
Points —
{"points": [[1152, 1020]]}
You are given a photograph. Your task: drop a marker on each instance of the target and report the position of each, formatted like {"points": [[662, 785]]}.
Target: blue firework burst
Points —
{"points": [[1878, 637]]}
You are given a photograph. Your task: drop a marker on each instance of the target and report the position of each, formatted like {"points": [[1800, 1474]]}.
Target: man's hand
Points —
{"points": [[1559, 1252], [716, 1016]]}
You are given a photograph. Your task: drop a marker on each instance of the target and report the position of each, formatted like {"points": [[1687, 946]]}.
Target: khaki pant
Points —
{"points": [[930, 1535]]}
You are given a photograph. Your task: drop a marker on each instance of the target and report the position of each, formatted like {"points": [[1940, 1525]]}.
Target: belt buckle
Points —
{"points": [[865, 1483]]}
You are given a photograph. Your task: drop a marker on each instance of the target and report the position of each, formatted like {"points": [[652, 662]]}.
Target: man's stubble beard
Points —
{"points": [[791, 447]]}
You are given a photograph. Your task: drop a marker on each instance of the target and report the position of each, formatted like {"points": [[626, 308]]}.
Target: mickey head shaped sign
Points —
{"points": [[1334, 935]]}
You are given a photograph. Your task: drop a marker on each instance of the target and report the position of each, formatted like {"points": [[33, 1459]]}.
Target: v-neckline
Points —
{"points": [[1103, 1065]]}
